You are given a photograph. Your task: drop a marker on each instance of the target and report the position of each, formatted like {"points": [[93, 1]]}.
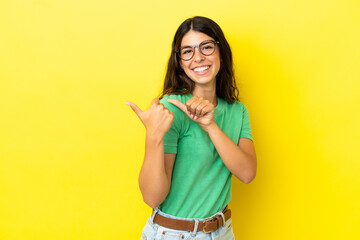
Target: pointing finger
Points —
{"points": [[135, 108], [156, 101], [178, 104]]}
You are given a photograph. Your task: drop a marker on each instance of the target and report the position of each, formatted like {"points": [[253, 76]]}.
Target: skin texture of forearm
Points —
{"points": [[153, 181], [241, 164]]}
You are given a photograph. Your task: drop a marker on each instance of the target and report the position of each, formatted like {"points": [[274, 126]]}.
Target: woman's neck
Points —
{"points": [[208, 93]]}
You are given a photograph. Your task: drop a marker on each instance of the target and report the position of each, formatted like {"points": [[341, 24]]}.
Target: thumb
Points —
{"points": [[135, 108], [178, 104]]}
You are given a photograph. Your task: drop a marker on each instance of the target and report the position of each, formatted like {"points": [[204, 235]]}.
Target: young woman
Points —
{"points": [[197, 136]]}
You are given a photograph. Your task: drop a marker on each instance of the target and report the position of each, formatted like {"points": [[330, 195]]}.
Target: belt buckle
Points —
{"points": [[204, 222]]}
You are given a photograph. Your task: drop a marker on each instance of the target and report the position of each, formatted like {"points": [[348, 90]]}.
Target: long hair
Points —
{"points": [[176, 80]]}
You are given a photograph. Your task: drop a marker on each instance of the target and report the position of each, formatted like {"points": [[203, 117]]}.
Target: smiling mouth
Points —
{"points": [[201, 69]]}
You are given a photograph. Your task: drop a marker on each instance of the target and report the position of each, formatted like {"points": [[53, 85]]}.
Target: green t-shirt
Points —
{"points": [[201, 183]]}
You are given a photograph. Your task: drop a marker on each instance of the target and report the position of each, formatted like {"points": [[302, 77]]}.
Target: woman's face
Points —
{"points": [[200, 68]]}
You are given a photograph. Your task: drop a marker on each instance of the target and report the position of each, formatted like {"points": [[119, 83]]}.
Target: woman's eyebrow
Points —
{"points": [[190, 46], [208, 40]]}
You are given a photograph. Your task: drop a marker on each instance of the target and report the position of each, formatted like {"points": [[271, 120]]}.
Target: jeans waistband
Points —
{"points": [[158, 211], [206, 224]]}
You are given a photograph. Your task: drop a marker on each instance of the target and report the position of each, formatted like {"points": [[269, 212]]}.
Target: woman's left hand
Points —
{"points": [[198, 109]]}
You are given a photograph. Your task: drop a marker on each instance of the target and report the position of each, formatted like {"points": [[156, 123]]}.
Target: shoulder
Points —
{"points": [[236, 106], [236, 110], [239, 104], [242, 109]]}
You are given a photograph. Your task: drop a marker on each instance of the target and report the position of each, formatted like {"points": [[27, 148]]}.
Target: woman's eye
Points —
{"points": [[187, 51], [208, 47]]}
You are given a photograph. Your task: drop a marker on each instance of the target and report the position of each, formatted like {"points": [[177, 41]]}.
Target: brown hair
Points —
{"points": [[176, 80]]}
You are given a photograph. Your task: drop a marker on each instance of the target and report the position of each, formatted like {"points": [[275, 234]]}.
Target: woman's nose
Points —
{"points": [[198, 56]]}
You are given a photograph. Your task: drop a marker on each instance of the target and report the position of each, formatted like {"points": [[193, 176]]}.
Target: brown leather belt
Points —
{"points": [[208, 225]]}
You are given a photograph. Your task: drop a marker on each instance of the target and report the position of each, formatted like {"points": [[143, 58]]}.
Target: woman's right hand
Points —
{"points": [[157, 119]]}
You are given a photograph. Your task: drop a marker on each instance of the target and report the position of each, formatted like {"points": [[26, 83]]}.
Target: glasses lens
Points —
{"points": [[207, 48], [186, 53]]}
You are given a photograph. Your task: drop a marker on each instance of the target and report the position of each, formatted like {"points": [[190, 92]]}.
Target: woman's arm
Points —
{"points": [[155, 173], [239, 159]]}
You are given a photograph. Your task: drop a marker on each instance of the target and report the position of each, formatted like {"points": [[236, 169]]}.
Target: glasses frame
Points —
{"points": [[198, 47]]}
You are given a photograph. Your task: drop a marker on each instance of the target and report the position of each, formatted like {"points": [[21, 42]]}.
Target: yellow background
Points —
{"points": [[71, 150]]}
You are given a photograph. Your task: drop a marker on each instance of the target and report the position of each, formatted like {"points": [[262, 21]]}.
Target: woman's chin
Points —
{"points": [[203, 81]]}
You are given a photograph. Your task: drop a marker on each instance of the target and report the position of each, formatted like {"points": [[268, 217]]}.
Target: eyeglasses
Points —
{"points": [[206, 48]]}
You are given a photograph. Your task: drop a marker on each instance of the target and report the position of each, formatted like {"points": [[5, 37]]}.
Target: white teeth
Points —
{"points": [[201, 69]]}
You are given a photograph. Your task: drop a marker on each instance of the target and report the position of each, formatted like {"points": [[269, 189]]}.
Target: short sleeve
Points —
{"points": [[171, 138], [246, 127]]}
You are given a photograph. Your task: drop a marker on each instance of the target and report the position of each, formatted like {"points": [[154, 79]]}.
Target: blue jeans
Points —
{"points": [[153, 231]]}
